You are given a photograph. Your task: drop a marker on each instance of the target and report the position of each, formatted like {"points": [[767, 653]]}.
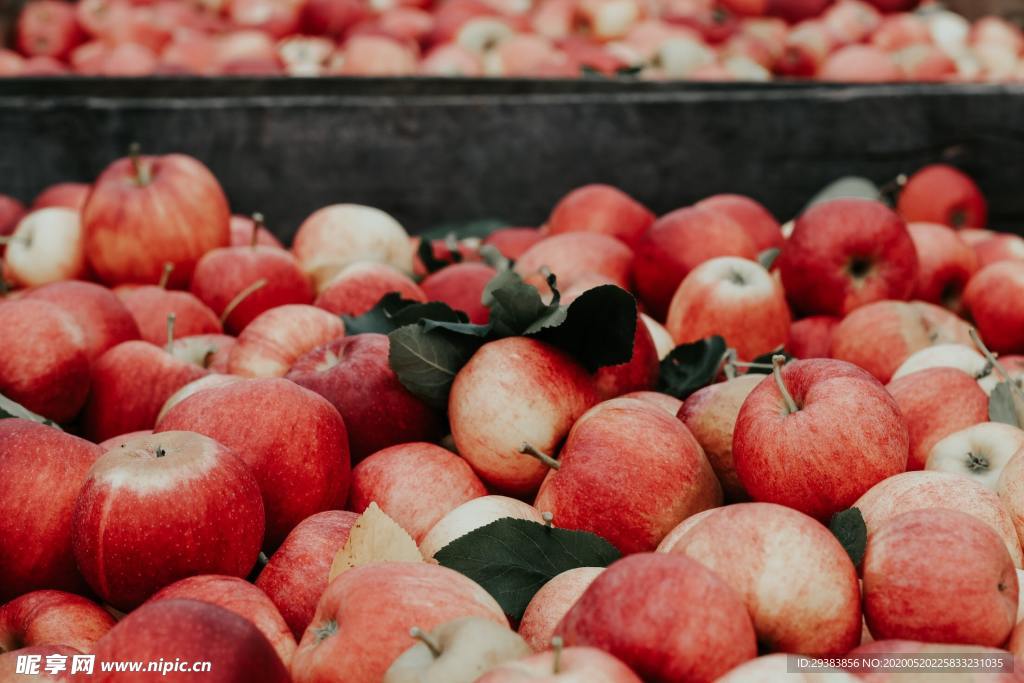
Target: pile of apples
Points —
{"points": [[242, 475], [746, 40]]}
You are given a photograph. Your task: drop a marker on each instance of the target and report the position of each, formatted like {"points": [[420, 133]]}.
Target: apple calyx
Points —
{"points": [[240, 297], [165, 276], [171, 317], [418, 633], [159, 452], [994, 363], [778, 360], [142, 176], [976, 463], [528, 449], [556, 645], [325, 631], [257, 223]]}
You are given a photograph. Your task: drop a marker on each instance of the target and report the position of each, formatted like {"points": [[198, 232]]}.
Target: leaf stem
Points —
{"points": [[991, 358], [417, 633], [778, 360], [528, 449]]}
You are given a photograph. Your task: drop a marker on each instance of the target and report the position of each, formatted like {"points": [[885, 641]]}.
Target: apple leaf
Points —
{"points": [[513, 558], [517, 308], [1001, 406], [767, 257], [392, 312], [849, 528], [426, 361], [374, 537], [690, 367], [430, 261], [598, 328], [9, 408]]}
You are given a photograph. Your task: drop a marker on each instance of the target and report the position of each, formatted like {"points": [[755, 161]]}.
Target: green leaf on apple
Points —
{"points": [[517, 308], [460, 230], [849, 528], [690, 367], [513, 558], [598, 328], [767, 257], [426, 361], [431, 262], [13, 409], [1001, 405], [392, 312]]}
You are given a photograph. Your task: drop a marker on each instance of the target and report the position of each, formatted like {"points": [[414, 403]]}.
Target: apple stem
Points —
{"points": [[778, 360], [417, 633], [135, 154], [557, 644], [165, 276], [994, 362], [527, 449], [170, 332], [728, 363], [548, 519], [753, 366], [240, 297], [257, 223]]}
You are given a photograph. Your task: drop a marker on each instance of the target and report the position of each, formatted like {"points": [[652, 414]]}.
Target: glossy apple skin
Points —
{"points": [[575, 665], [734, 298], [879, 336], [601, 209], [575, 257], [130, 383], [474, 514], [942, 194], [362, 621], [761, 227], [104, 320], [132, 229], [52, 617], [912, 591], [926, 490], [358, 288], [353, 373], [514, 242], [190, 631], [511, 391], [632, 457], [676, 244], [780, 457], [461, 286], [151, 305], [945, 264], [271, 343], [935, 403], [551, 603], [37, 520], [845, 253], [161, 508], [795, 578], [297, 449], [45, 364], [702, 626], [416, 484], [223, 274], [639, 373], [238, 596], [811, 337], [68, 195], [991, 297], [297, 572]]}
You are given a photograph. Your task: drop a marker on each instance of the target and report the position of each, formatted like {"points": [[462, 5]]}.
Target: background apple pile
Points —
{"points": [[369, 457], [751, 40]]}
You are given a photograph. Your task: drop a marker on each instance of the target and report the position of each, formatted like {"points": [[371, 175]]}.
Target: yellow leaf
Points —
{"points": [[375, 537]]}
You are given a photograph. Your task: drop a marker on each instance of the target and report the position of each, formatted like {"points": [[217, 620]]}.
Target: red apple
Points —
{"points": [[512, 391], [632, 457], [51, 617], [48, 28], [733, 298], [937, 402], [277, 18], [151, 304], [760, 226], [11, 213], [461, 286], [602, 209], [208, 351], [811, 337], [1010, 489], [551, 603], [959, 356], [146, 211], [270, 344], [45, 364], [665, 616], [242, 233], [912, 591], [246, 52], [796, 579], [859, 63], [332, 17], [373, 55], [851, 21], [945, 264], [297, 449], [676, 244], [46, 247], [362, 621], [568, 665], [130, 383], [179, 632], [297, 572], [472, 515], [514, 242], [353, 373], [358, 287], [639, 373], [942, 194], [238, 596], [778, 450], [240, 283], [104, 320], [995, 247], [980, 452], [35, 520], [991, 298], [416, 484], [807, 45], [10, 662], [574, 257], [845, 253], [67, 195]]}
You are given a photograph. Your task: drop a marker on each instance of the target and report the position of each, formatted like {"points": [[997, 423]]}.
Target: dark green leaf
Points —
{"points": [[379, 318], [598, 329], [457, 327], [426, 362], [513, 558], [429, 260], [630, 70], [9, 408], [766, 359], [767, 257], [848, 526], [517, 307], [689, 367], [461, 230], [1001, 405], [431, 310]]}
